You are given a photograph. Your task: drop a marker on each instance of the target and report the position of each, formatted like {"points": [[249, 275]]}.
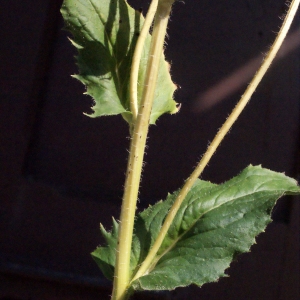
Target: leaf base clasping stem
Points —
{"points": [[137, 150]]}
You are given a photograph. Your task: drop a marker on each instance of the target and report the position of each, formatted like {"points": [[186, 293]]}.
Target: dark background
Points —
{"points": [[61, 173]]}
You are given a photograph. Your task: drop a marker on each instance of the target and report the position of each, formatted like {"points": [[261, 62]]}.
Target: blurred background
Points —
{"points": [[62, 173]]}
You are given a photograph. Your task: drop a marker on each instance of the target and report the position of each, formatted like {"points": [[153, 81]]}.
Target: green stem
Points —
{"points": [[137, 58], [147, 264], [137, 149]]}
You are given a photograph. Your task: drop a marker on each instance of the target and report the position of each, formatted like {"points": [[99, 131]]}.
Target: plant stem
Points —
{"points": [[137, 58], [146, 266], [137, 149]]}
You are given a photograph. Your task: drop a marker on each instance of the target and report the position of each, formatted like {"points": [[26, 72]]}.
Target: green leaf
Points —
{"points": [[214, 224], [105, 33], [105, 257]]}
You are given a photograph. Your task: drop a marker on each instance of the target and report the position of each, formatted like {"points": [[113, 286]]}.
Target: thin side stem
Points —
{"points": [[137, 149], [147, 263], [133, 85]]}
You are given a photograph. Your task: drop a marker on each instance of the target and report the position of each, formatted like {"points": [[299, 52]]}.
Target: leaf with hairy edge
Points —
{"points": [[142, 240], [214, 224], [105, 33], [105, 257]]}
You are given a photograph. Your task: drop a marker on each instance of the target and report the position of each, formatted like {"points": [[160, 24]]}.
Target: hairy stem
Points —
{"points": [[133, 85], [137, 149], [147, 263]]}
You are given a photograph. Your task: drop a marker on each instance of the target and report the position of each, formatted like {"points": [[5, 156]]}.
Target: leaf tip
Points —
{"points": [[103, 230], [90, 115], [115, 224], [76, 45]]}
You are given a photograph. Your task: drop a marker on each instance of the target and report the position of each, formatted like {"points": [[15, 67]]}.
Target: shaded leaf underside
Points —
{"points": [[105, 33]]}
